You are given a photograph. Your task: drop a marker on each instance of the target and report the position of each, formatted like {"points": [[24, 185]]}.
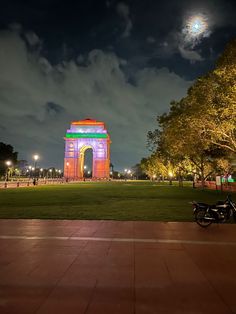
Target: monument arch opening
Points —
{"points": [[87, 162], [86, 135]]}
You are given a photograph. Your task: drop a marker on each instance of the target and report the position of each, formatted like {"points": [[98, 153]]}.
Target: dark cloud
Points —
{"points": [[53, 110], [39, 102]]}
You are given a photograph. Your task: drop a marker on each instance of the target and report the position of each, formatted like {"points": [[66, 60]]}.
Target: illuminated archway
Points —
{"points": [[82, 135]]}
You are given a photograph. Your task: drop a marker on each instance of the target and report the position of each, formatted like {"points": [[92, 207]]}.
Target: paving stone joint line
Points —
{"points": [[131, 240]]}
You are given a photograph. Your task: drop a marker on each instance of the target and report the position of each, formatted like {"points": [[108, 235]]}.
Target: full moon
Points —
{"points": [[196, 26]]}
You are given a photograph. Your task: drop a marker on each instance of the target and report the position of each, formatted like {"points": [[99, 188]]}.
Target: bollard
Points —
{"points": [[5, 185]]}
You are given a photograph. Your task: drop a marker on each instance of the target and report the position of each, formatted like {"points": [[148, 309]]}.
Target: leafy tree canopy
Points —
{"points": [[6, 153]]}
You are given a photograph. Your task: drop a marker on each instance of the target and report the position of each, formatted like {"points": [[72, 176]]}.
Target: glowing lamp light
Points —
{"points": [[8, 163], [36, 157], [170, 174], [41, 169]]}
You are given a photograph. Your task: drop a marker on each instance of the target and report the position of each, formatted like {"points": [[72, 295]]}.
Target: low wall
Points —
{"points": [[230, 186], [26, 183]]}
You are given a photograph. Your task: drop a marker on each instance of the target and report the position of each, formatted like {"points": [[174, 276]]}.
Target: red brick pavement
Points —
{"points": [[94, 267]]}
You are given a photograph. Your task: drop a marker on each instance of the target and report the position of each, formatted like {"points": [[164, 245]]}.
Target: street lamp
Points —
{"points": [[35, 157], [41, 171], [8, 163], [50, 170]]}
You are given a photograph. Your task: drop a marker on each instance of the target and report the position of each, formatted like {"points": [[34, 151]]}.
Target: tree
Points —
{"points": [[213, 100], [156, 165], [6, 153], [138, 172], [202, 123]]}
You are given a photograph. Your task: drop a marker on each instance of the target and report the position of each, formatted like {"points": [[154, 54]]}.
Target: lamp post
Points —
{"points": [[30, 167], [41, 171], [8, 163], [35, 157], [50, 170]]}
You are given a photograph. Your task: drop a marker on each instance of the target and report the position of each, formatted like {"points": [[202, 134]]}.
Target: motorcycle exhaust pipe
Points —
{"points": [[209, 218]]}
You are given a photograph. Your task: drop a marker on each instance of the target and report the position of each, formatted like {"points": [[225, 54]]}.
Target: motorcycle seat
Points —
{"points": [[203, 205]]}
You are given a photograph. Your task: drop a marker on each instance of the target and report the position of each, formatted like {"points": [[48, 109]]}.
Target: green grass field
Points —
{"points": [[131, 200]]}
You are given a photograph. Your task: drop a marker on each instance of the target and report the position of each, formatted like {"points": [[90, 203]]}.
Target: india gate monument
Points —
{"points": [[82, 135]]}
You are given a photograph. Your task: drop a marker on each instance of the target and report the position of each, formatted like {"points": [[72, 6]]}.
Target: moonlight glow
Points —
{"points": [[197, 25], [195, 29]]}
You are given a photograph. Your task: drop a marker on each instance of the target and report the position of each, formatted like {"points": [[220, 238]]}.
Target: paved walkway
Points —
{"points": [[109, 267]]}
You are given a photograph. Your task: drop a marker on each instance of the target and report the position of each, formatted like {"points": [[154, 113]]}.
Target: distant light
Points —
{"points": [[50, 170], [8, 163], [41, 169], [36, 157], [67, 164], [85, 167]]}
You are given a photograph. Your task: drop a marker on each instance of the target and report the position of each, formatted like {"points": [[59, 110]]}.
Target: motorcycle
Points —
{"points": [[220, 212]]}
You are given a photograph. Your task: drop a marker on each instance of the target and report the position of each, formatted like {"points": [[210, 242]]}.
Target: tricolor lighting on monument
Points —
{"points": [[81, 136]]}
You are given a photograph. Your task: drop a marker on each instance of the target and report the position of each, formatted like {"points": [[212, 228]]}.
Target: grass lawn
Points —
{"points": [[131, 200]]}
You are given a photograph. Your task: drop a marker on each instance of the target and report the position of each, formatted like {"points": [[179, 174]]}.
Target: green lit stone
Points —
{"points": [[86, 135]]}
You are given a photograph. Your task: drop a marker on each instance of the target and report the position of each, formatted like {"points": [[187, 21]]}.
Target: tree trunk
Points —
{"points": [[202, 174], [180, 178]]}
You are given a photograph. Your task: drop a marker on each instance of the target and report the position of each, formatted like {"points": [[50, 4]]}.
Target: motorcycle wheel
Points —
{"points": [[200, 218]]}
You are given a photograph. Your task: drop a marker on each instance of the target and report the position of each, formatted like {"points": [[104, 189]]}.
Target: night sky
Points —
{"points": [[120, 62]]}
